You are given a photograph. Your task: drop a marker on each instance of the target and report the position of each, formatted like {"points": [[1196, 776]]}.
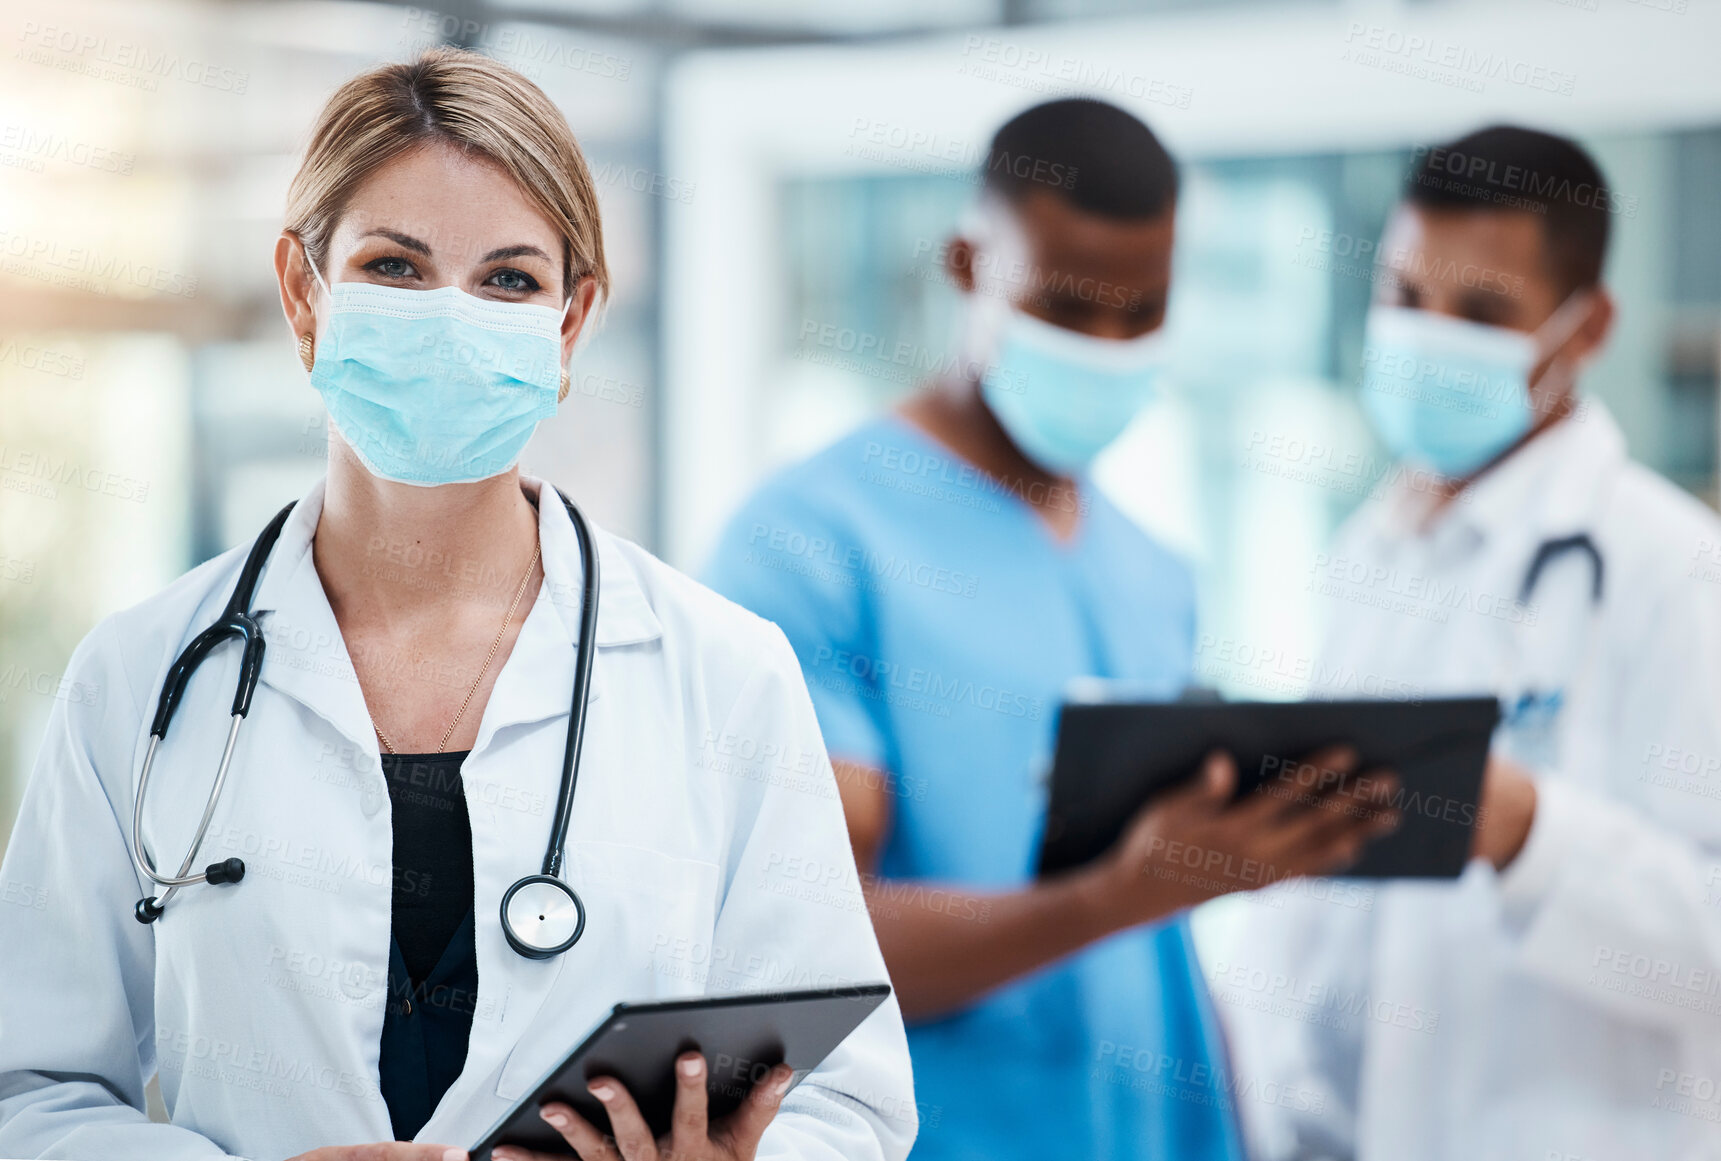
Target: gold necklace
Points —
{"points": [[491, 656]]}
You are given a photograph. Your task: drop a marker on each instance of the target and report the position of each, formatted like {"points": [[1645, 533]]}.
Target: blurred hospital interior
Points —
{"points": [[778, 181]]}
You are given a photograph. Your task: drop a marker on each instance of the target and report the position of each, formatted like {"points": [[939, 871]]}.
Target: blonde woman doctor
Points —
{"points": [[399, 764]]}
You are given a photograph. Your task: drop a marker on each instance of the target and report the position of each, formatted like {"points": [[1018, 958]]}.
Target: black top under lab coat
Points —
{"points": [[432, 956]]}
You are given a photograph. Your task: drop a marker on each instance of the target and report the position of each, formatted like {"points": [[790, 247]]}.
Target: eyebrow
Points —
{"points": [[514, 252], [1487, 304], [414, 244], [398, 238]]}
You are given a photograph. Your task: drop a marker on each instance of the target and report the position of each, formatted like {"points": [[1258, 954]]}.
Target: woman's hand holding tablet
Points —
{"points": [[694, 1079], [384, 1151], [691, 1137]]}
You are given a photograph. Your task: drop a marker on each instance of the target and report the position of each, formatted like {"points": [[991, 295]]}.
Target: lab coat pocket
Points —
{"points": [[649, 918]]}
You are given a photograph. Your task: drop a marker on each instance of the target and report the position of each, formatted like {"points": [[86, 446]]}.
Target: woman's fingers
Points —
{"points": [[632, 1135], [688, 1128], [578, 1132], [747, 1124], [517, 1153]]}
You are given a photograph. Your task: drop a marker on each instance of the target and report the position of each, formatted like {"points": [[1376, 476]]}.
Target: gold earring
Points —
{"points": [[307, 350], [566, 383]]}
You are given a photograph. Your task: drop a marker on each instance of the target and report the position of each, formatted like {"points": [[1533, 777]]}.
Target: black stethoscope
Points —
{"points": [[541, 914], [1544, 705], [1549, 551]]}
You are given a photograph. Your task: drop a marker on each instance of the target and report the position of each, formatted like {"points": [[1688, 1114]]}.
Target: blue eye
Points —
{"points": [[514, 281], [391, 267]]}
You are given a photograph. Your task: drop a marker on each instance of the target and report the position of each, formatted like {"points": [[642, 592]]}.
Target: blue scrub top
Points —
{"points": [[937, 620]]}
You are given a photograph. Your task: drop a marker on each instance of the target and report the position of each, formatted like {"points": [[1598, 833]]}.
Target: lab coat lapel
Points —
{"points": [[1551, 487], [625, 616], [509, 844], [305, 656], [1585, 467], [536, 682]]}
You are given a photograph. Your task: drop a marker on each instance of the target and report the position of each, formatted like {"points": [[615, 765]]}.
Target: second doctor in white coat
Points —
{"points": [[439, 192], [1563, 998]]}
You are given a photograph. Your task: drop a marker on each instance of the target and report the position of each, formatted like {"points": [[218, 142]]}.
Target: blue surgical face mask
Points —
{"points": [[1062, 396], [436, 386], [1451, 394]]}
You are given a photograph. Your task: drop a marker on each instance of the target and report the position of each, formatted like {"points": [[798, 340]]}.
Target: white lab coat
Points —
{"points": [[707, 842], [1569, 1007]]}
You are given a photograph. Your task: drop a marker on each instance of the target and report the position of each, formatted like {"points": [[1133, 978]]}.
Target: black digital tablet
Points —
{"points": [[1114, 756], [743, 1037]]}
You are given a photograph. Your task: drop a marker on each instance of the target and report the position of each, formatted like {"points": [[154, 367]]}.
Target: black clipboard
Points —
{"points": [[1113, 756], [742, 1037]]}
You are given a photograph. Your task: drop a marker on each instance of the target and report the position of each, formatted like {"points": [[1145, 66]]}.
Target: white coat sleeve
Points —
{"points": [[793, 916], [1615, 894], [76, 969]]}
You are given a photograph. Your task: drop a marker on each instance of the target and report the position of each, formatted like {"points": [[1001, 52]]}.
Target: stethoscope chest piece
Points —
{"points": [[542, 916]]}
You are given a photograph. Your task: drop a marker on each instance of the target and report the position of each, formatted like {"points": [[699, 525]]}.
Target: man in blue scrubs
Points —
{"points": [[943, 572]]}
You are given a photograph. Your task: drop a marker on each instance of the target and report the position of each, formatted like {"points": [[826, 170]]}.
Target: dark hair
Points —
{"points": [[1093, 155], [1507, 169]]}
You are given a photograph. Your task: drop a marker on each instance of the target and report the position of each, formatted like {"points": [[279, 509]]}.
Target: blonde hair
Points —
{"points": [[459, 98]]}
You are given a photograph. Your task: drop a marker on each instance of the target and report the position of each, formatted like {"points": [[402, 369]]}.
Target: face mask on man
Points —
{"points": [[436, 386], [1062, 396], [1451, 394]]}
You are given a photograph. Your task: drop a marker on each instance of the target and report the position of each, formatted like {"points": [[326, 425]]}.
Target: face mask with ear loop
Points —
{"points": [[1061, 396], [1451, 394], [1064, 397], [436, 386]]}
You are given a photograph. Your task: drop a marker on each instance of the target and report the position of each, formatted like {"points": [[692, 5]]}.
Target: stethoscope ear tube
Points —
{"points": [[235, 621], [1549, 551], [240, 625]]}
